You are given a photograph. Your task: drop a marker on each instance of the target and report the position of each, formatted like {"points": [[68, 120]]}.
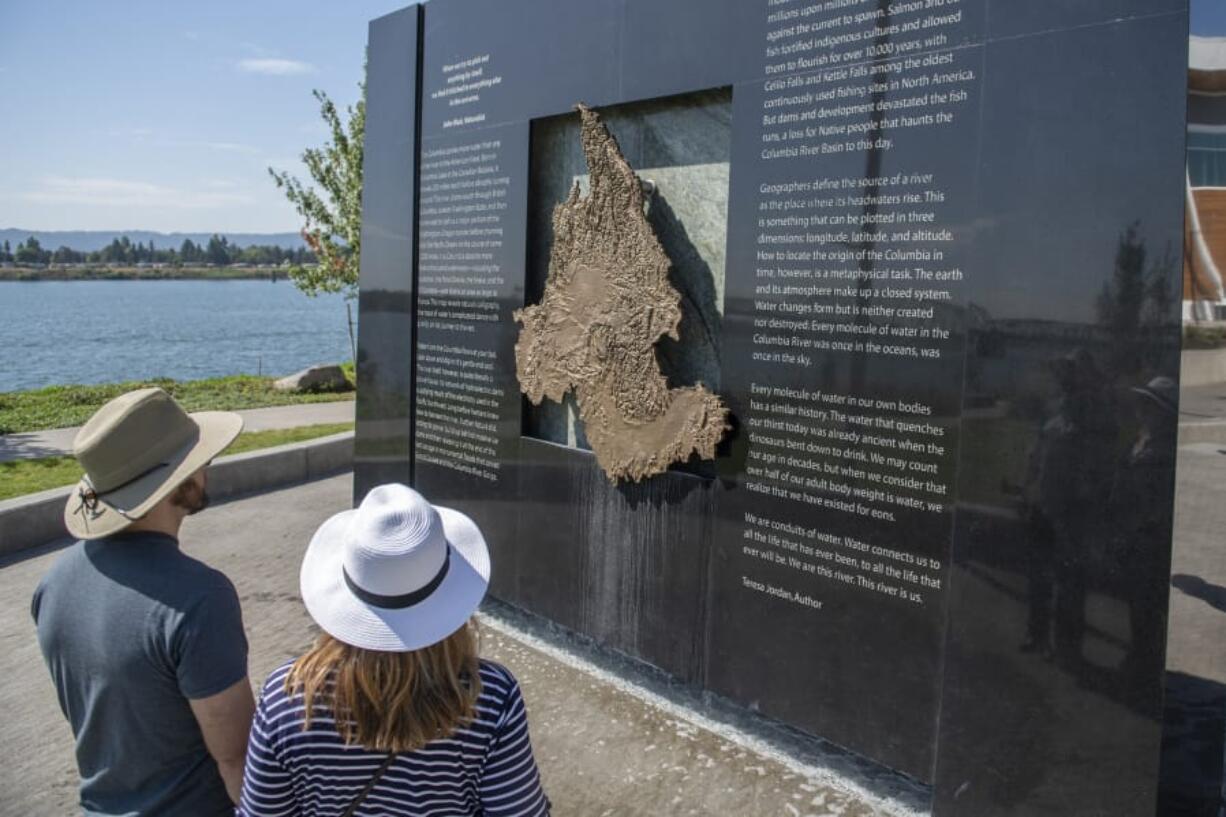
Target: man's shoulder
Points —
{"points": [[206, 579], [65, 564], [203, 596], [67, 559], [188, 579], [182, 586], [118, 558]]}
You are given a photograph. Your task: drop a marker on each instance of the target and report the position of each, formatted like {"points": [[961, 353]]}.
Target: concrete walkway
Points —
{"points": [[1195, 768], [1202, 414], [58, 441], [1199, 404], [605, 747]]}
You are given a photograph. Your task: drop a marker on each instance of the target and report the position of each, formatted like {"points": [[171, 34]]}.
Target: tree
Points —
{"points": [[66, 255], [1136, 299], [333, 212], [218, 251], [31, 252]]}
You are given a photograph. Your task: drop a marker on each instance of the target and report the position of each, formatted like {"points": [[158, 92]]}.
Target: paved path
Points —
{"points": [[1202, 414], [1196, 646], [604, 749], [54, 442], [1198, 404]]}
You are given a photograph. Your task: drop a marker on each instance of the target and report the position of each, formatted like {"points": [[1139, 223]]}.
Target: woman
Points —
{"points": [[391, 712]]}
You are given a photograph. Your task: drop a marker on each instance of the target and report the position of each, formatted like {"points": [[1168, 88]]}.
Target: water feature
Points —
{"points": [[55, 332]]}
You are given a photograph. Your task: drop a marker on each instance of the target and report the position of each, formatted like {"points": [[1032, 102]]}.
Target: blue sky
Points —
{"points": [[1208, 17], [164, 115]]}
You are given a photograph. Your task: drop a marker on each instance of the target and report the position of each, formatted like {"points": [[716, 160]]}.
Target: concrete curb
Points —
{"points": [[1202, 367], [1213, 431], [32, 520]]}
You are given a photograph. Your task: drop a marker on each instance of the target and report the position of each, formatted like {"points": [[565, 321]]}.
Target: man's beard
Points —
{"points": [[191, 497]]}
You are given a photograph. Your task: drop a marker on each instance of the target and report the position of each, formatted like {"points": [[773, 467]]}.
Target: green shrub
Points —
{"points": [[1204, 337]]}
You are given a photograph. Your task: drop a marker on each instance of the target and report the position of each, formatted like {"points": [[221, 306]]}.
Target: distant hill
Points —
{"points": [[90, 240]]}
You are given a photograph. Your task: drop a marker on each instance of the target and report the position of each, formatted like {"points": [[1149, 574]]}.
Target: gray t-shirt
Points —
{"points": [[131, 628]]}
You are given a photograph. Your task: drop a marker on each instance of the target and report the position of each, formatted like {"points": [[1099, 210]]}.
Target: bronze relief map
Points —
{"points": [[607, 301]]}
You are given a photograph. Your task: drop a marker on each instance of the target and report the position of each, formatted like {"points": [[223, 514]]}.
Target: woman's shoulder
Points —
{"points": [[276, 678], [273, 691], [497, 681], [499, 685], [496, 673]]}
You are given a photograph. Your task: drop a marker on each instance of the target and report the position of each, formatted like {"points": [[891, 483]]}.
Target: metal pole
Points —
{"points": [[353, 345]]}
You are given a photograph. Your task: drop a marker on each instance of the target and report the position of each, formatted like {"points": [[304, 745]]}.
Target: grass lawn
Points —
{"points": [[64, 406], [20, 477]]}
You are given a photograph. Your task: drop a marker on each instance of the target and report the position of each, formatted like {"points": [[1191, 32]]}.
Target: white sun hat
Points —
{"points": [[396, 573]]}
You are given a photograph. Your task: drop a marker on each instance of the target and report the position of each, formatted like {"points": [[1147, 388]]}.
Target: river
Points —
{"points": [[56, 332]]}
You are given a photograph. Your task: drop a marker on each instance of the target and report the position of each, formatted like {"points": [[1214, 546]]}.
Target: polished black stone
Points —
{"points": [[1027, 678], [383, 430], [485, 500], [835, 685], [1061, 557]]}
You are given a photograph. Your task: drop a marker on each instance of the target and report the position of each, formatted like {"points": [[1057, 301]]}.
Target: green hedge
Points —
{"points": [[1204, 337]]}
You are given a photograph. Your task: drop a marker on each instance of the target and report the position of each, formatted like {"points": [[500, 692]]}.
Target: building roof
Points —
{"points": [[1207, 53], [1207, 64]]}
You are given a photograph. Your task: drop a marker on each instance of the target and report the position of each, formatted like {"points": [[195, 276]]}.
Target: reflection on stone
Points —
{"points": [[607, 302]]}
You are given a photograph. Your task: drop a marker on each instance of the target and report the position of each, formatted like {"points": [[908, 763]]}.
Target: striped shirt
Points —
{"points": [[486, 768]]}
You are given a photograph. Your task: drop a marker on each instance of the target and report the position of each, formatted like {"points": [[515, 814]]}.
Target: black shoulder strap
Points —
{"points": [[357, 801]]}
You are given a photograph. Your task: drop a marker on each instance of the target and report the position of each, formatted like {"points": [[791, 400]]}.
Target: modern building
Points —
{"points": [[1204, 298]]}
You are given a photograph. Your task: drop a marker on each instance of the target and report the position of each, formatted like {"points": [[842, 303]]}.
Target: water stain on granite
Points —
{"points": [[607, 302]]}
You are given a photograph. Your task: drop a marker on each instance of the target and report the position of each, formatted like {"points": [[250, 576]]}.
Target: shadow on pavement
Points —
{"points": [[1212, 594], [1190, 783], [27, 447]]}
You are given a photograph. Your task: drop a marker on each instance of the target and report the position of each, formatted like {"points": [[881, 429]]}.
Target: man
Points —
{"points": [[145, 644]]}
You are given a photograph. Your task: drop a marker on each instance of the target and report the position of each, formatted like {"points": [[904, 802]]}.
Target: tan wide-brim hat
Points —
{"points": [[135, 450]]}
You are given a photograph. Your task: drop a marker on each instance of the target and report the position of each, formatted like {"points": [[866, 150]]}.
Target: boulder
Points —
{"points": [[314, 379]]}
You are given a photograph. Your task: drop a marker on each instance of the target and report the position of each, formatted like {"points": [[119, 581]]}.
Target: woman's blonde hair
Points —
{"points": [[390, 701]]}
